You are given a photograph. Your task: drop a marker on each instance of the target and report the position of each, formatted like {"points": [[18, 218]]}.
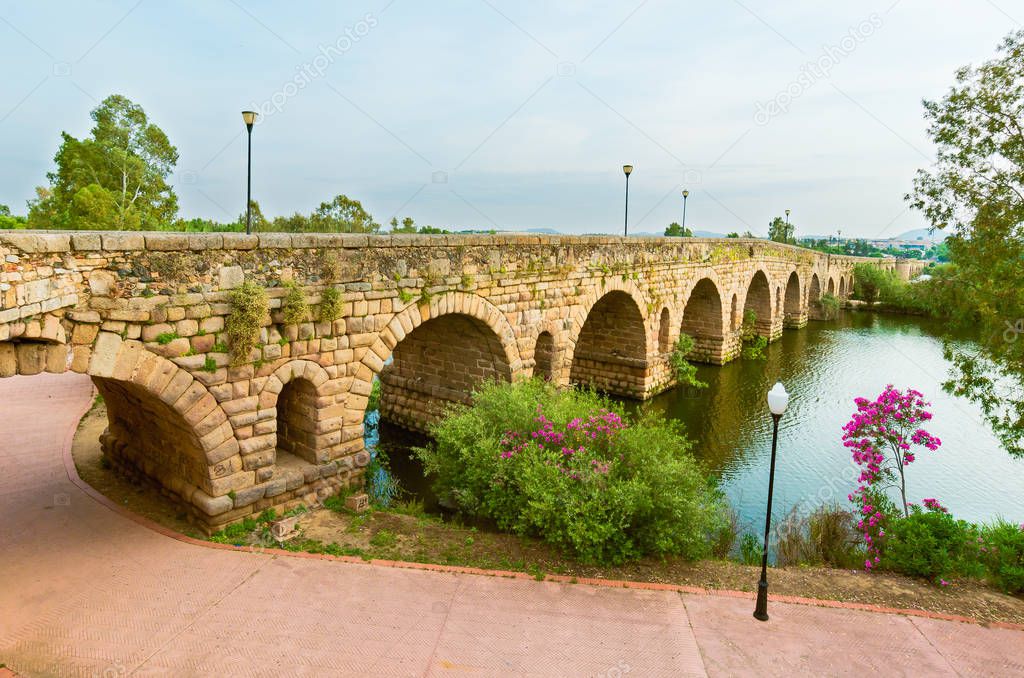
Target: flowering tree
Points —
{"points": [[881, 436]]}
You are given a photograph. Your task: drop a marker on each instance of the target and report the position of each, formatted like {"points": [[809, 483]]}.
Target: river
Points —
{"points": [[824, 366]]}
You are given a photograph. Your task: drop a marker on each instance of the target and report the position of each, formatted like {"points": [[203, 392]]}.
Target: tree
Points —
{"points": [[780, 231], [677, 231], [734, 234], [976, 190], [407, 226], [342, 215], [114, 179], [259, 222]]}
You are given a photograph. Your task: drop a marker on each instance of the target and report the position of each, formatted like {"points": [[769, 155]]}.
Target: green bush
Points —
{"points": [[751, 549], [566, 467], [248, 308], [294, 309], [685, 372], [929, 543], [330, 305], [829, 306], [1001, 551], [754, 345]]}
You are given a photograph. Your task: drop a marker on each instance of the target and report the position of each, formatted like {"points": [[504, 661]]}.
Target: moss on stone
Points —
{"points": [[248, 308]]}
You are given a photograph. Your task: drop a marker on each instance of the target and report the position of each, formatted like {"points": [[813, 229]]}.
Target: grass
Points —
{"points": [[165, 338]]}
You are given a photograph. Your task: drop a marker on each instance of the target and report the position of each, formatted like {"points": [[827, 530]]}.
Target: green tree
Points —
{"points": [[734, 234], [259, 222], [976, 190], [780, 231], [342, 215], [407, 225], [677, 231], [116, 178]]}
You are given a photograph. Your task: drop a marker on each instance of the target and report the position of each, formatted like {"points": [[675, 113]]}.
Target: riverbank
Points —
{"points": [[414, 536]]}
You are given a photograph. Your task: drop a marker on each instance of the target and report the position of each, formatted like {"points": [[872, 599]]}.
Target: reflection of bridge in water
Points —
{"points": [[144, 315]]}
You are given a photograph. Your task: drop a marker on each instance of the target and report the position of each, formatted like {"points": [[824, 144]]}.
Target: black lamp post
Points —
{"points": [[686, 194], [627, 169], [777, 401], [250, 118]]}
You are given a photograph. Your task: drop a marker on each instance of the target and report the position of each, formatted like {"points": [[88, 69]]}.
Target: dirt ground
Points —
{"points": [[428, 539]]}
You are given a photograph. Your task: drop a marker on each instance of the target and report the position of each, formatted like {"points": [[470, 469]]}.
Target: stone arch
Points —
{"points": [[758, 300], [735, 318], [831, 290], [544, 356], [439, 362], [664, 331], [305, 425], [610, 351], [703, 321], [163, 424], [842, 287], [793, 309], [814, 308]]}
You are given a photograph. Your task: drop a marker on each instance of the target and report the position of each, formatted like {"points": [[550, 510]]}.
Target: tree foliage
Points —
{"points": [[780, 231], [677, 231], [976, 191], [116, 178]]}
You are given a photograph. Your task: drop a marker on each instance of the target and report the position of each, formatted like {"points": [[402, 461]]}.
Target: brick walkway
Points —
{"points": [[86, 591]]}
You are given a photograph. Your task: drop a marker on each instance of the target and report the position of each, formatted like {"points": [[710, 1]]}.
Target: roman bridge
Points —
{"points": [[227, 433]]}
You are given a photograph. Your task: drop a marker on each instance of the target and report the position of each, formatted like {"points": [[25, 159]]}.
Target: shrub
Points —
{"points": [[881, 435], [373, 402], [567, 467], [684, 371], [1001, 551], [868, 281], [330, 305], [754, 345], [248, 309], [833, 537], [929, 543], [751, 549], [294, 308], [829, 306]]}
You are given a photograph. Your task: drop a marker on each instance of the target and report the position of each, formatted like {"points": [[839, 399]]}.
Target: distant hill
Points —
{"points": [[923, 234]]}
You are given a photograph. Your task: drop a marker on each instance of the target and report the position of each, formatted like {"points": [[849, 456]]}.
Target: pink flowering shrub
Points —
{"points": [[567, 467], [882, 436]]}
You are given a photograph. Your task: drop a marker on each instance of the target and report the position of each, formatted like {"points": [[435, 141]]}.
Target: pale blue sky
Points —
{"points": [[530, 108]]}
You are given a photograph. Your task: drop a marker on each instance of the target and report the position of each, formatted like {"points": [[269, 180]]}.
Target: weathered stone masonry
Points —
{"points": [[144, 315]]}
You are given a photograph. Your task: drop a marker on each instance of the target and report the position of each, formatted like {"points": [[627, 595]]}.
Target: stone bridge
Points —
{"points": [[431, 316]]}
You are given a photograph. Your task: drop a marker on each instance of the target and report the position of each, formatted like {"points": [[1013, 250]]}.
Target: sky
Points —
{"points": [[510, 115]]}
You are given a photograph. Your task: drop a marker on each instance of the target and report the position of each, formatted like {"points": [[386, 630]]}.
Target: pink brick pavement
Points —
{"points": [[86, 591]]}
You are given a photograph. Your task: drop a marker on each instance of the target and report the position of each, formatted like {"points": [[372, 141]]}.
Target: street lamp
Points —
{"points": [[777, 401], [686, 194], [249, 117], [627, 169], [787, 217]]}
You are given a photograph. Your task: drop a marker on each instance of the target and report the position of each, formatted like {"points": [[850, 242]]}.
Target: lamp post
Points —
{"points": [[249, 117], [686, 194], [777, 401], [627, 170]]}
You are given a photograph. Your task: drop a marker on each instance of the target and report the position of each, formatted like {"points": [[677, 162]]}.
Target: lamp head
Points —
{"points": [[628, 169], [249, 117], [686, 193], [787, 213], [778, 399]]}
